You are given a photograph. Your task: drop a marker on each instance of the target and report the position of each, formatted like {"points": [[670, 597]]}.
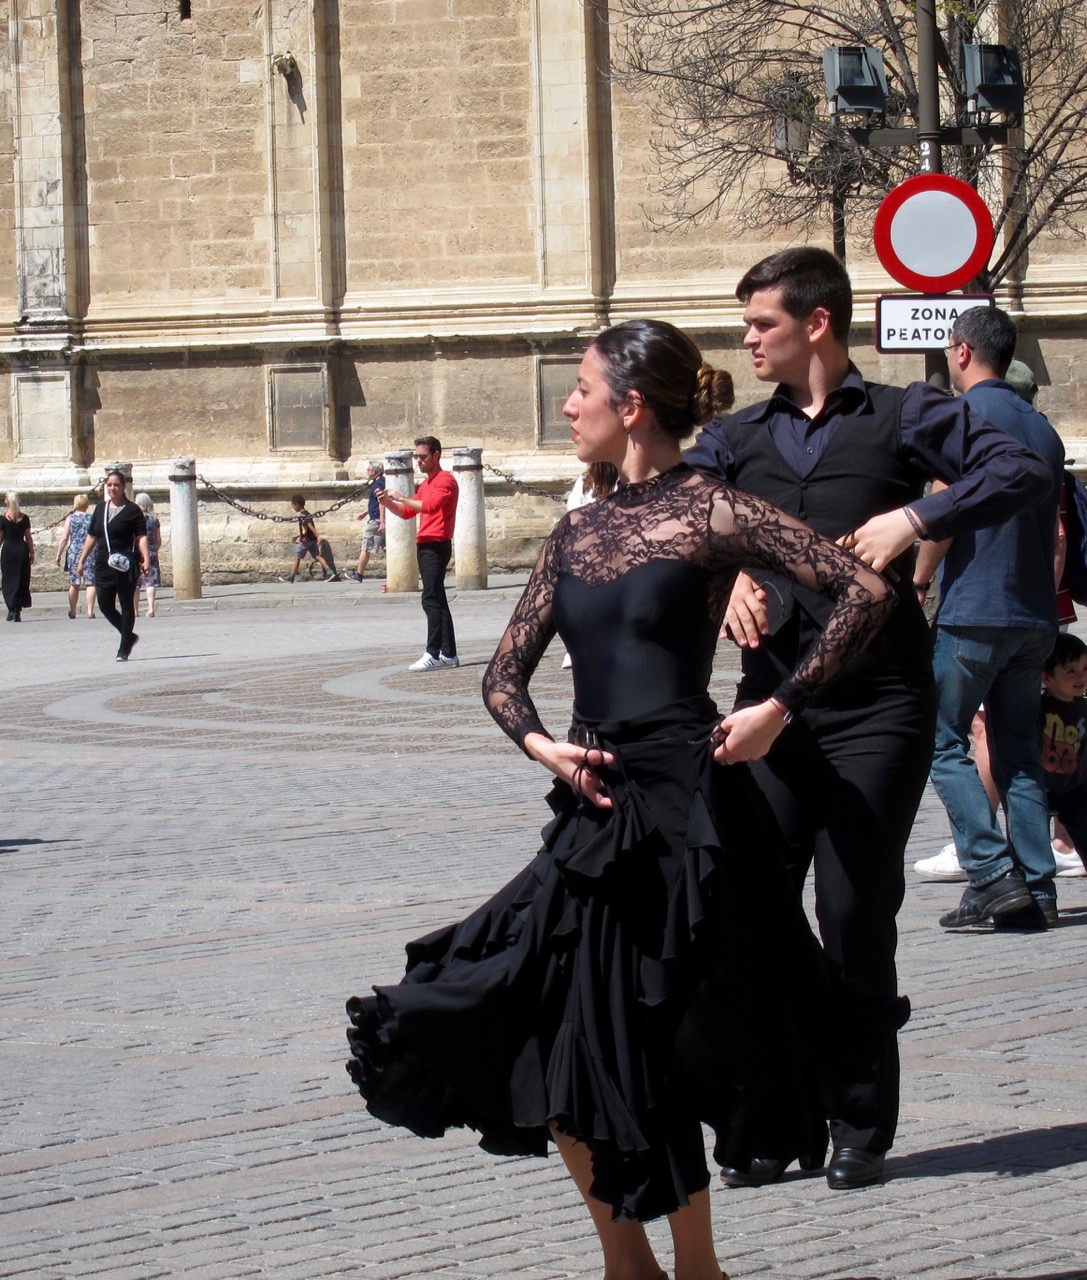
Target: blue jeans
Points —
{"points": [[1000, 667]]}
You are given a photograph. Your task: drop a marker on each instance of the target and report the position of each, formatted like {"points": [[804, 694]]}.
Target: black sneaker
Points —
{"points": [[1039, 916], [1007, 894]]}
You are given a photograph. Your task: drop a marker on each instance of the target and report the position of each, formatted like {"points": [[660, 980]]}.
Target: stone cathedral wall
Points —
{"points": [[285, 237]]}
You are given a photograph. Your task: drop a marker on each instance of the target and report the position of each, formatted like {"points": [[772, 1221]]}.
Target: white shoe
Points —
{"points": [[567, 662], [941, 866], [426, 663], [1069, 864], [454, 661]]}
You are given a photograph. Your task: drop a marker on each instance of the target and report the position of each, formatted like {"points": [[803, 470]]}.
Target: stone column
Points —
{"points": [[184, 529], [401, 566], [470, 531]]}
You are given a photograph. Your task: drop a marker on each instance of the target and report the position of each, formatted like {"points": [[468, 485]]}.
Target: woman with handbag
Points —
{"points": [[633, 981], [118, 539]]}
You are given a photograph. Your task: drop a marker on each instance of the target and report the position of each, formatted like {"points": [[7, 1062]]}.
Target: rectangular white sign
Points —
{"points": [[921, 321]]}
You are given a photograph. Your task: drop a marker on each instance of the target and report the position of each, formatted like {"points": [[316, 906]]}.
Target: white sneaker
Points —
{"points": [[454, 661], [941, 866], [567, 662], [1069, 864], [426, 663]]}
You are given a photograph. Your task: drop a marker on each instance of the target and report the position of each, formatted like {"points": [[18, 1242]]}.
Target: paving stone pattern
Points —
{"points": [[207, 849]]}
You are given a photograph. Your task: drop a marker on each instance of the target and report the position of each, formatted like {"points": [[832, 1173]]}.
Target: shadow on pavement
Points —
{"points": [[1016, 1154], [1077, 1273]]}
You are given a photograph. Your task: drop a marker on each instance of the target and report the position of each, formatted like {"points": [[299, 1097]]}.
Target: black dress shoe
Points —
{"points": [[764, 1169], [760, 1171], [852, 1167], [1006, 894]]}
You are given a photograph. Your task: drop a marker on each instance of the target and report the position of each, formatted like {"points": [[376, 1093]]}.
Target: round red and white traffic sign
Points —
{"points": [[933, 233]]}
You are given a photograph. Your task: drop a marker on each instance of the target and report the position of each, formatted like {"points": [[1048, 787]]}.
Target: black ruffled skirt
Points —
{"points": [[649, 970]]}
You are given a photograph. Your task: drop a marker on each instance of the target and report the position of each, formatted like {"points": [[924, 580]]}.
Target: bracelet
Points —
{"points": [[786, 714], [918, 527], [926, 587]]}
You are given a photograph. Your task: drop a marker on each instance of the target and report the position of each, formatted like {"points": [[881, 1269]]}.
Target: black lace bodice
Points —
{"points": [[637, 586]]}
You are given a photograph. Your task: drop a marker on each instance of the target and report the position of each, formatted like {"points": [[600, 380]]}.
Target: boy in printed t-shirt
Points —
{"points": [[306, 542]]}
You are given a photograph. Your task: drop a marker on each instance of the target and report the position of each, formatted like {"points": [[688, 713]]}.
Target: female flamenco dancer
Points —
{"points": [[650, 968]]}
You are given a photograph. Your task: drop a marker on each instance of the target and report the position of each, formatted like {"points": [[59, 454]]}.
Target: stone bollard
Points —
{"points": [[470, 531], [401, 566], [184, 529]]}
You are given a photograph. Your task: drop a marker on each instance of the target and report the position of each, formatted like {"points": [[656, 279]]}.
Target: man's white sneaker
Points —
{"points": [[454, 661], [426, 663], [1068, 864], [941, 866]]}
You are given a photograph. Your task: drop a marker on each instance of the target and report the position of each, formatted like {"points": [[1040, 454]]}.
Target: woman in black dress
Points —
{"points": [[650, 968], [16, 558], [118, 529]]}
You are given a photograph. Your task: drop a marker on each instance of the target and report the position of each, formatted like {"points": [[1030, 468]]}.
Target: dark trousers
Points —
{"points": [[433, 560], [844, 782], [117, 588]]}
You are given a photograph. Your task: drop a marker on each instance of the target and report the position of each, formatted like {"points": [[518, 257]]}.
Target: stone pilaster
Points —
{"points": [[50, 220], [296, 106], [575, 250]]}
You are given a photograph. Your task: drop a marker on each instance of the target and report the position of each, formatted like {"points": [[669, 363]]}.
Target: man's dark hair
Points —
{"points": [[431, 442], [298, 500], [1066, 648], [808, 278], [990, 334]]}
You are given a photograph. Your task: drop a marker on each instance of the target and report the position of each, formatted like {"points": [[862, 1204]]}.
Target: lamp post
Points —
{"points": [[992, 76]]}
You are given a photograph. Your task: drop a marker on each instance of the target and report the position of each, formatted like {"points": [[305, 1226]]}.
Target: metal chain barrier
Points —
{"points": [[223, 496], [520, 484], [35, 533], [353, 496]]}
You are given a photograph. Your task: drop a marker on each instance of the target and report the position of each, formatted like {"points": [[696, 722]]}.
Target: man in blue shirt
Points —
{"points": [[851, 458], [996, 624]]}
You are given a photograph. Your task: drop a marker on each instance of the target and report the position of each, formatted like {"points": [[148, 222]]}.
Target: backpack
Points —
{"points": [[1075, 527]]}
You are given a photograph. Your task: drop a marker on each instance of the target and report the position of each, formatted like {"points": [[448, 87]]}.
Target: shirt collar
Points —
{"points": [[851, 393]]}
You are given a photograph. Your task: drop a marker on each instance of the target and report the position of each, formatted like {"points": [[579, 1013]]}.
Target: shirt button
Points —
{"points": [[811, 450]]}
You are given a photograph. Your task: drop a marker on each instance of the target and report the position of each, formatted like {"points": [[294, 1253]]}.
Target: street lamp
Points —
{"points": [[994, 81], [994, 85], [855, 79]]}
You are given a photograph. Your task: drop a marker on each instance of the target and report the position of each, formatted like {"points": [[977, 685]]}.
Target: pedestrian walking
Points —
{"points": [[16, 558], [74, 534], [118, 539]]}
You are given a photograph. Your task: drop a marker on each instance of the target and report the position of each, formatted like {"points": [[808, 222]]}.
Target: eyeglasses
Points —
{"points": [[420, 457], [952, 346]]}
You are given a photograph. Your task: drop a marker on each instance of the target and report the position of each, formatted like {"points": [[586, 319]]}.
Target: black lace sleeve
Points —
{"points": [[505, 682], [863, 599]]}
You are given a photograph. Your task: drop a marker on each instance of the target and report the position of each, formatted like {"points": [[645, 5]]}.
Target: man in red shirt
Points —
{"points": [[435, 503]]}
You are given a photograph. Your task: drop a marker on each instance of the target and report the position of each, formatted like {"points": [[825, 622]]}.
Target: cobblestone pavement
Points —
{"points": [[206, 850]]}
